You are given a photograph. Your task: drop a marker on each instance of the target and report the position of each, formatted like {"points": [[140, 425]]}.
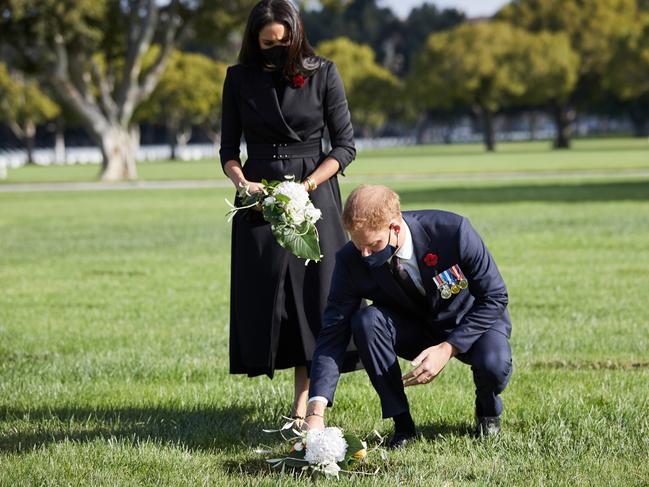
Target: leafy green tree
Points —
{"points": [[393, 40], [592, 27], [371, 89], [423, 21], [188, 94], [627, 74], [489, 66], [23, 106], [363, 21], [91, 54]]}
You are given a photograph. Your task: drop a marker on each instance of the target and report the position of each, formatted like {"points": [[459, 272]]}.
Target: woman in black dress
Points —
{"points": [[281, 96]]}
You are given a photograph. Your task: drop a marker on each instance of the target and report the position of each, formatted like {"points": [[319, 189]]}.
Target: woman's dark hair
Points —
{"points": [[301, 56]]}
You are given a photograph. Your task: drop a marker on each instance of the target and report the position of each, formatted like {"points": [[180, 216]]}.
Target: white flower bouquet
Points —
{"points": [[290, 212], [326, 452]]}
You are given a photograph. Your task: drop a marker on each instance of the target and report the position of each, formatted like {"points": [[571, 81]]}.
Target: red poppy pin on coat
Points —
{"points": [[430, 259], [298, 81]]}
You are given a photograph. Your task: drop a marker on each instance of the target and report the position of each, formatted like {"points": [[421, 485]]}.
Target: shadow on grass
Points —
{"points": [[447, 154], [502, 149], [560, 193], [195, 429], [435, 431]]}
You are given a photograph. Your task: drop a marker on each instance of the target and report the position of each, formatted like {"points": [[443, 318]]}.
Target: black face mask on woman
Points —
{"points": [[275, 56]]}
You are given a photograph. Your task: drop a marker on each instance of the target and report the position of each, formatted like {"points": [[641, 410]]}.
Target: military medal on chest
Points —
{"points": [[450, 281], [459, 276], [453, 284], [442, 286]]}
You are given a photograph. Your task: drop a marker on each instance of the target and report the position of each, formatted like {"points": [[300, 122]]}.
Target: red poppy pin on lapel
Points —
{"points": [[430, 259], [298, 81]]}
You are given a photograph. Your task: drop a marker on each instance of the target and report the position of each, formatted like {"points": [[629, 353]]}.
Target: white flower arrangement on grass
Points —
{"points": [[290, 212], [325, 452]]}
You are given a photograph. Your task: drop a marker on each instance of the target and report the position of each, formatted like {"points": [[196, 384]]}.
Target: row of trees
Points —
{"points": [[109, 65], [103, 59], [559, 56]]}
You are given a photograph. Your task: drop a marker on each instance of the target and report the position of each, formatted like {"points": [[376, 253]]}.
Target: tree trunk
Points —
{"points": [[563, 118], [422, 126], [448, 131], [183, 136], [213, 135], [488, 130], [30, 143], [172, 137], [640, 119], [59, 142], [119, 149], [27, 136], [532, 121]]}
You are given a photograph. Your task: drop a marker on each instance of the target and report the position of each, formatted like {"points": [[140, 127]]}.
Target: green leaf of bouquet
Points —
{"points": [[354, 444], [299, 455], [282, 198], [294, 462], [272, 214], [304, 245]]}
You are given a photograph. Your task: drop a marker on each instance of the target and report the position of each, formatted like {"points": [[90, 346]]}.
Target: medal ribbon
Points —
{"points": [[459, 271], [456, 273], [438, 281], [448, 277]]}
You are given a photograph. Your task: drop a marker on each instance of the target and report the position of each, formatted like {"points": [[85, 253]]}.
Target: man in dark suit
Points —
{"points": [[436, 293]]}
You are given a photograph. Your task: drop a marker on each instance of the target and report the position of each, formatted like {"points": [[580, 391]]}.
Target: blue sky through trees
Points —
{"points": [[473, 8]]}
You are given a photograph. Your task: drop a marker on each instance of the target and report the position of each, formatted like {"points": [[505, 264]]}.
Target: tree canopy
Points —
{"points": [[188, 94], [23, 106], [371, 89], [591, 25], [491, 65], [91, 53], [627, 74]]}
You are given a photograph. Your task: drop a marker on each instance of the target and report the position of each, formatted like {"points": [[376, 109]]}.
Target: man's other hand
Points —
{"points": [[428, 364]]}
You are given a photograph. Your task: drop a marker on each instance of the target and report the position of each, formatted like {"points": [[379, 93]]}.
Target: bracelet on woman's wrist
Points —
{"points": [[311, 184], [315, 414]]}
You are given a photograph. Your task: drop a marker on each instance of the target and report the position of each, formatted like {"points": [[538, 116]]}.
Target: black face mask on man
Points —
{"points": [[275, 56], [377, 259]]}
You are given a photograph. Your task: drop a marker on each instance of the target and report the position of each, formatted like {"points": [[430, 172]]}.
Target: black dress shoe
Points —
{"points": [[487, 426], [400, 440]]}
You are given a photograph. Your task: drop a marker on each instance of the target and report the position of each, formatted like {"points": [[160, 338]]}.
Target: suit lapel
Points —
{"points": [[423, 244], [261, 95]]}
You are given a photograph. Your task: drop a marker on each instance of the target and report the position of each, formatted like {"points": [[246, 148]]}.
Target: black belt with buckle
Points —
{"points": [[310, 148]]}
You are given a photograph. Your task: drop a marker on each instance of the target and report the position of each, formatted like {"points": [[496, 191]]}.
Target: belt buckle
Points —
{"points": [[278, 152]]}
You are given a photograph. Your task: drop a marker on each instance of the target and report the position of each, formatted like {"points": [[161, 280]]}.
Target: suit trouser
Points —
{"points": [[381, 335]]}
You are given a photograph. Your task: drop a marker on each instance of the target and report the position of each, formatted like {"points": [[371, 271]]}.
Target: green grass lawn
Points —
{"points": [[113, 350], [608, 155]]}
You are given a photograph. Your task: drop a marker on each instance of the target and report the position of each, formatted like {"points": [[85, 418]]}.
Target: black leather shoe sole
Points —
{"points": [[487, 426], [401, 440]]}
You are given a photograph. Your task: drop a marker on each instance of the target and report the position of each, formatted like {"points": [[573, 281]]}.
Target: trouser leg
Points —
{"points": [[490, 358], [380, 335]]}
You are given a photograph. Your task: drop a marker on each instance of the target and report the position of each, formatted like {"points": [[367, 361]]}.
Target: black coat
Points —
{"points": [[260, 266]]}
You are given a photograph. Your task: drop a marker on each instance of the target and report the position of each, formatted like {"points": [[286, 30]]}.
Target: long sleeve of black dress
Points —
{"points": [[231, 128], [338, 120]]}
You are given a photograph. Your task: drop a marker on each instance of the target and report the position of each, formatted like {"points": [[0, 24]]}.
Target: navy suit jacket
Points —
{"points": [[460, 320]]}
